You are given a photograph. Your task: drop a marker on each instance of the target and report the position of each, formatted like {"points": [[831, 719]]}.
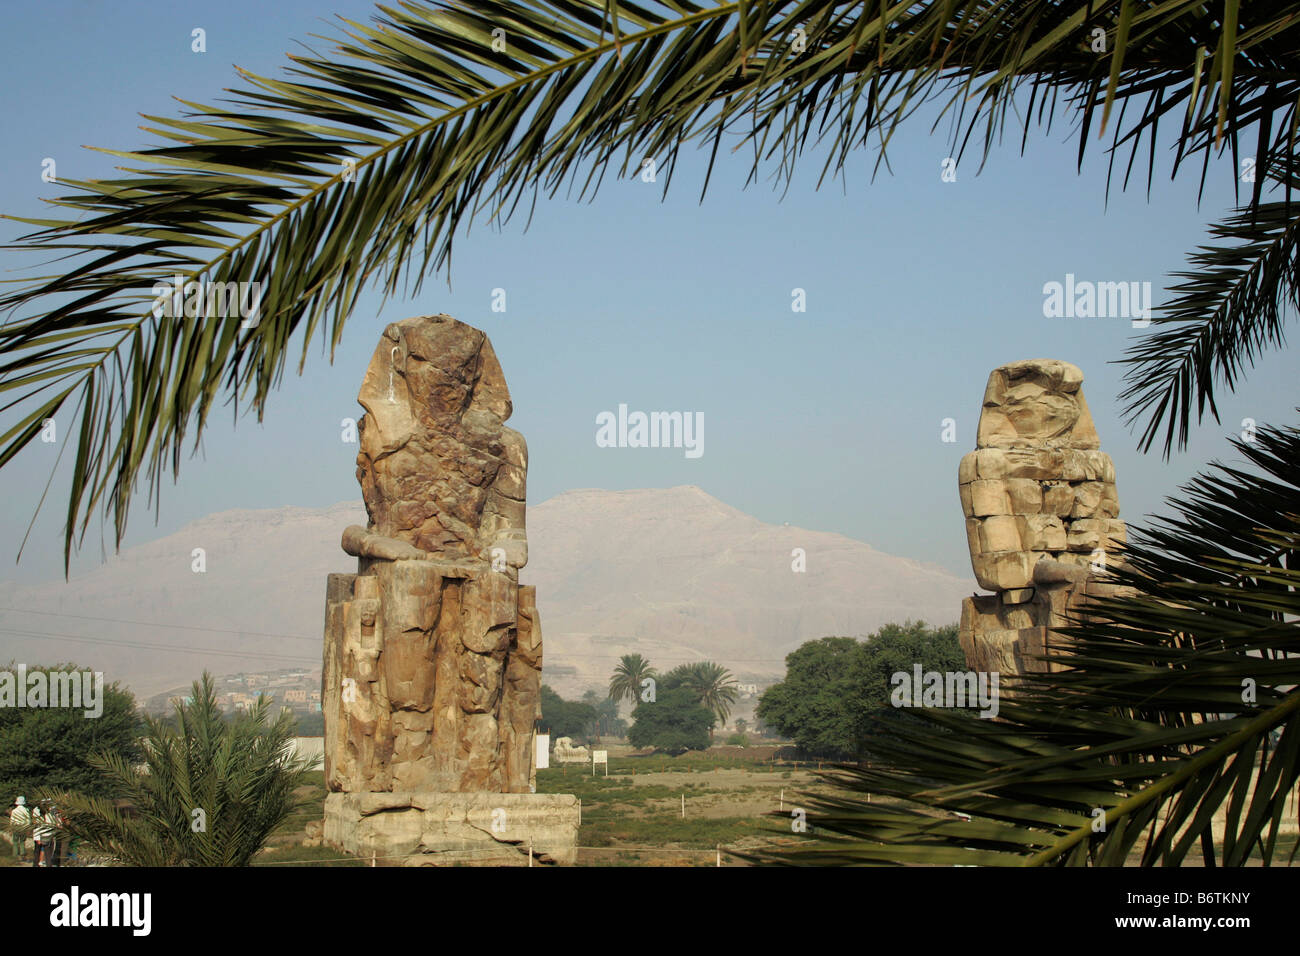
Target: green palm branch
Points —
{"points": [[714, 687], [362, 167], [1228, 309], [1178, 703], [632, 669], [211, 792], [711, 684]]}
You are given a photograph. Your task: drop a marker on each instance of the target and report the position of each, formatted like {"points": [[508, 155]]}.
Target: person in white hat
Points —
{"points": [[20, 820]]}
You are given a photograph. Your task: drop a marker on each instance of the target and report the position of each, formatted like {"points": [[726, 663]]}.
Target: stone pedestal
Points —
{"points": [[453, 829], [1017, 638]]}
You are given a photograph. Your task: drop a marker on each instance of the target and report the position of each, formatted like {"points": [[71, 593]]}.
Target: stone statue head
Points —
{"points": [[433, 444]]}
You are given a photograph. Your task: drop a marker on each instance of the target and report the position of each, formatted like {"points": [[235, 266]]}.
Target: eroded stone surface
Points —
{"points": [[433, 650], [1037, 483], [1042, 514], [404, 828]]}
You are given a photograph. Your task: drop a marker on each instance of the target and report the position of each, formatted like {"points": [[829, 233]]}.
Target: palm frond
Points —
{"points": [[1178, 702], [210, 794], [1231, 306], [628, 676]]}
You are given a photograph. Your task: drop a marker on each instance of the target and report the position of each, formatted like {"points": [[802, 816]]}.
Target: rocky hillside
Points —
{"points": [[674, 574]]}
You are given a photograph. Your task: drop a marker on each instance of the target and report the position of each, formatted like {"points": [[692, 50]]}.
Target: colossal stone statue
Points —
{"points": [[433, 651], [1042, 515]]}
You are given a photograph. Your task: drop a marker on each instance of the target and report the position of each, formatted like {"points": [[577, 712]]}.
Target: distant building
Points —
{"points": [[295, 696]]}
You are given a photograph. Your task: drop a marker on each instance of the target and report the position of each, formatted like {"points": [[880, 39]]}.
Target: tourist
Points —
{"points": [[55, 819], [43, 834], [20, 819]]}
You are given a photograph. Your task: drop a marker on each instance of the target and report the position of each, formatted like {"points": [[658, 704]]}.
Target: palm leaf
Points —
{"points": [[632, 669], [1177, 702], [1228, 309], [241, 774]]}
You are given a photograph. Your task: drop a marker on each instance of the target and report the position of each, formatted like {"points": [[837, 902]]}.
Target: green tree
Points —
{"points": [[712, 685], [608, 723], [811, 705], [631, 672], [835, 686], [674, 722], [897, 648], [51, 746], [566, 718], [210, 794]]}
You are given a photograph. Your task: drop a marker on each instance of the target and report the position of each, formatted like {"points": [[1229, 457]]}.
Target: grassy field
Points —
{"points": [[679, 811], [633, 816], [699, 809]]}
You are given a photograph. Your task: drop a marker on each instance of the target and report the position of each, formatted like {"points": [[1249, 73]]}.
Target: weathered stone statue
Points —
{"points": [[433, 651], [1042, 515], [566, 752]]}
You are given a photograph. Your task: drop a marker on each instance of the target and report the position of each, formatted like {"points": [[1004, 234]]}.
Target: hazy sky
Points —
{"points": [[829, 419]]}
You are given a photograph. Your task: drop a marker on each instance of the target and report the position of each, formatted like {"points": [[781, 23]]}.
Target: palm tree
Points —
{"points": [[710, 684], [713, 686], [631, 671], [363, 166], [211, 792], [1168, 714]]}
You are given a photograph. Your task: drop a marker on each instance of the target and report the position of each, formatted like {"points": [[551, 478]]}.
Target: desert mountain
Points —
{"points": [[673, 574]]}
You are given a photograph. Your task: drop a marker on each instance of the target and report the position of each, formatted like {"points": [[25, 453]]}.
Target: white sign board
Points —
{"points": [[543, 758], [600, 756]]}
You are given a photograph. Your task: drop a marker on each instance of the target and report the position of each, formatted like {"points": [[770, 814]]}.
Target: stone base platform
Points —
{"points": [[453, 829]]}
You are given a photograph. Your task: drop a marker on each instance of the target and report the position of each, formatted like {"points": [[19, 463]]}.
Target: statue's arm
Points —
{"points": [[360, 543]]}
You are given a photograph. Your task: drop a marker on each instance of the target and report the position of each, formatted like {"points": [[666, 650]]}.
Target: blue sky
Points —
{"points": [[828, 419]]}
